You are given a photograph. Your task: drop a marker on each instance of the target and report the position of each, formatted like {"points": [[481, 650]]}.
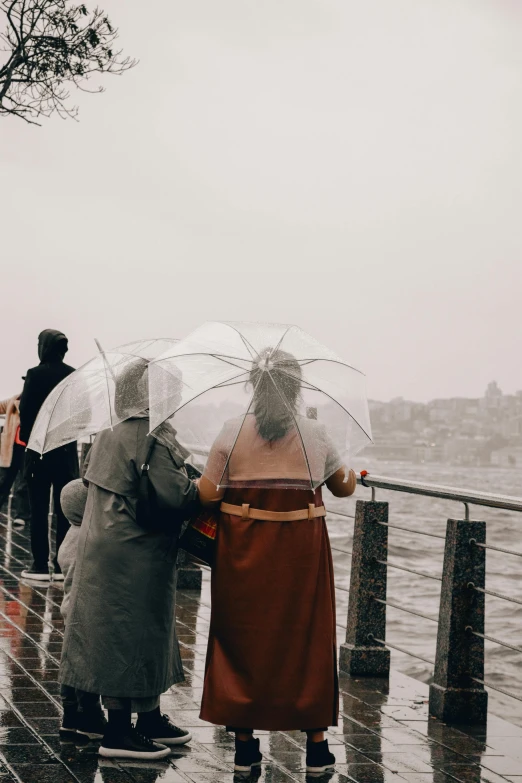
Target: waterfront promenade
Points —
{"points": [[384, 733]]}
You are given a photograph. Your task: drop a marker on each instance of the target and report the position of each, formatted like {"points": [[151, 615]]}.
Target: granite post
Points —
{"points": [[190, 575], [454, 696], [360, 656], [84, 450]]}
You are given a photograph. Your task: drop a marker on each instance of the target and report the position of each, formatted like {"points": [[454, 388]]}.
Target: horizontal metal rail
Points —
{"points": [[494, 594], [371, 637], [412, 530], [344, 551], [340, 513], [495, 688], [495, 548], [502, 643], [409, 570], [403, 609], [442, 491]]}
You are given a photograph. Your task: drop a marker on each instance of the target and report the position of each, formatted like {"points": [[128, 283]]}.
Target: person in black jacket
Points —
{"points": [[56, 468]]}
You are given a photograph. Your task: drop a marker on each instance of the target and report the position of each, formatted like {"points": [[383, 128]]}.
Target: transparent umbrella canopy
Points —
{"points": [[105, 391], [260, 404]]}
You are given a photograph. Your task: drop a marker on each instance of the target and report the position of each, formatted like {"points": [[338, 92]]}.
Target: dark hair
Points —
{"points": [[276, 378], [130, 396]]}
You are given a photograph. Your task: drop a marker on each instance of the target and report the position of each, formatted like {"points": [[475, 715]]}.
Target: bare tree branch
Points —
{"points": [[52, 46]]}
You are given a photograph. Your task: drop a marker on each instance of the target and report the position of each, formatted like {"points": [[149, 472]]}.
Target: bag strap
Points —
{"points": [[146, 465]]}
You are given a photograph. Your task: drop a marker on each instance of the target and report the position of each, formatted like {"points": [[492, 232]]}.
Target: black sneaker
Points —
{"points": [[91, 724], [318, 757], [69, 722], [131, 745], [247, 755], [162, 730], [35, 574]]}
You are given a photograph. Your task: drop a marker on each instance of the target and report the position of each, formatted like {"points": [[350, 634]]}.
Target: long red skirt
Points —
{"points": [[272, 655]]}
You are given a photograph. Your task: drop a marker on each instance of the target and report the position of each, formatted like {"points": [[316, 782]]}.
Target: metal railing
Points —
{"points": [[458, 670], [466, 496]]}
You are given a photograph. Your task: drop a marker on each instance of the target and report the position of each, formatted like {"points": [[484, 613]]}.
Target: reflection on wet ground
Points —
{"points": [[384, 733]]}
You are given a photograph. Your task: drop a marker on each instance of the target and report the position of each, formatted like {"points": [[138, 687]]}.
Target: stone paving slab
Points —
{"points": [[384, 734]]}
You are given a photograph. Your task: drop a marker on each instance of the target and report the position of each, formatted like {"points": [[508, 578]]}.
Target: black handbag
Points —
{"points": [[199, 538], [147, 511]]}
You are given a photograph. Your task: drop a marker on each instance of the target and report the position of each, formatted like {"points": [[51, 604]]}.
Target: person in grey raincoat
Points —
{"points": [[120, 639]]}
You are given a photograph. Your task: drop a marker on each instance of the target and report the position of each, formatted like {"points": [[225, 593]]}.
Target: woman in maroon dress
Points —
{"points": [[272, 652]]}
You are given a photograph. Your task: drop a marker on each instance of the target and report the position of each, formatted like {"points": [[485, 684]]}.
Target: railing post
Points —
{"points": [[190, 575], [84, 450], [366, 616], [454, 696]]}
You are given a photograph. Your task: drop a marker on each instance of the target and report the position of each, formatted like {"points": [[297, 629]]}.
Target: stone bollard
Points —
{"points": [[190, 576], [366, 617], [454, 696]]}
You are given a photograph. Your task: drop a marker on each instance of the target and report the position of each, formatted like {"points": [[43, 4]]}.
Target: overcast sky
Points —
{"points": [[352, 167]]}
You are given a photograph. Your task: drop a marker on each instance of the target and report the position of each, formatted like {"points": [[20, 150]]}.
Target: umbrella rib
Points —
{"points": [[247, 343], [333, 361], [274, 350], [321, 391], [52, 412], [239, 430], [223, 359], [232, 382], [201, 393], [106, 380], [296, 426]]}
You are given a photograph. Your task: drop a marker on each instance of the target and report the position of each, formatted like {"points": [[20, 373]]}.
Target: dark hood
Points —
{"points": [[52, 345]]}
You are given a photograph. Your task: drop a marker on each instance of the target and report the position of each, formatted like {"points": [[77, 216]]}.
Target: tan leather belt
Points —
{"points": [[245, 512]]}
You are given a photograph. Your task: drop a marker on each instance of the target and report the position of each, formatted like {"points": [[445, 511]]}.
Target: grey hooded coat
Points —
{"points": [[120, 637]]}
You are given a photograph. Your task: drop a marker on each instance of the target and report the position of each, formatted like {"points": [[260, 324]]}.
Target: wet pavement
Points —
{"points": [[384, 733]]}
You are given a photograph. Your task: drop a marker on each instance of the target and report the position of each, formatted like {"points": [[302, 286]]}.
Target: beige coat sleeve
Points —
{"points": [[340, 487], [209, 494]]}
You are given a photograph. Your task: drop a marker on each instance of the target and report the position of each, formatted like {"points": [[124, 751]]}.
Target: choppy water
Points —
{"points": [[504, 528]]}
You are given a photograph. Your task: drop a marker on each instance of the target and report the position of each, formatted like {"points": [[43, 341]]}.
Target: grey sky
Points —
{"points": [[354, 168]]}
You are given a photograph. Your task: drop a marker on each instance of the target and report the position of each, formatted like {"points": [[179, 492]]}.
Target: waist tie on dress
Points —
{"points": [[245, 512]]}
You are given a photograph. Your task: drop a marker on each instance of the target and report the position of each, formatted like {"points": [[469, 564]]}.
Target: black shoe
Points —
{"points": [[161, 729], [130, 745], [247, 755], [318, 757], [69, 722], [36, 574], [92, 724]]}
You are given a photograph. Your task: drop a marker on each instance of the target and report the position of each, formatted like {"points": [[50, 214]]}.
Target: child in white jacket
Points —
{"points": [[82, 711]]}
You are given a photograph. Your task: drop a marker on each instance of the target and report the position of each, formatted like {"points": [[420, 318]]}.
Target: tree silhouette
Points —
{"points": [[50, 46]]}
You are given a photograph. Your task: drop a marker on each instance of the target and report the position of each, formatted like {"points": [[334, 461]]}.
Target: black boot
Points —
{"points": [[92, 723], [122, 741], [69, 721], [247, 755], [160, 728], [318, 757]]}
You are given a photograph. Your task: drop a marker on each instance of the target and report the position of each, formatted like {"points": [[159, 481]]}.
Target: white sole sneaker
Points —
{"points": [[30, 577], [172, 740], [238, 768], [91, 735], [319, 770], [116, 753], [58, 578]]}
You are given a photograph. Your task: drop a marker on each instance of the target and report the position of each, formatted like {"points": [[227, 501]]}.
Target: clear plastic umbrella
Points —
{"points": [[271, 405], [105, 391]]}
